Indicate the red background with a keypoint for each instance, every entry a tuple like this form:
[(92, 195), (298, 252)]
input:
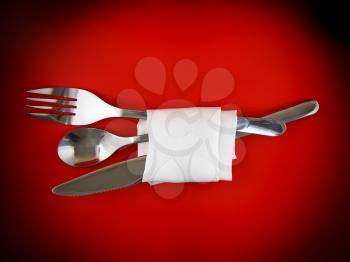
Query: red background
[(288, 199)]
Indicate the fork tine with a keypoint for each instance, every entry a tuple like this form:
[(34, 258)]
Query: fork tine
[(55, 101), (63, 119), (61, 109), (63, 92)]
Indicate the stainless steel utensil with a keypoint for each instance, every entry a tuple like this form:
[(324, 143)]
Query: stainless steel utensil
[(76, 106), (112, 177), (130, 172), (290, 114), (89, 146), (73, 106)]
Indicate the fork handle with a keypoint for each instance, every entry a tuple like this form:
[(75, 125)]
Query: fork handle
[(248, 125), (134, 114), (242, 122)]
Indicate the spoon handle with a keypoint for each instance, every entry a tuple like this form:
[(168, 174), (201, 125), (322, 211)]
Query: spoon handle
[(139, 139)]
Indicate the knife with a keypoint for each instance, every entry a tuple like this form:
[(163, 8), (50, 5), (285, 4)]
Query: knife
[(129, 172)]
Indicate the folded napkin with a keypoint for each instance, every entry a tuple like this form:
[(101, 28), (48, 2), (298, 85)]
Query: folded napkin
[(188, 145)]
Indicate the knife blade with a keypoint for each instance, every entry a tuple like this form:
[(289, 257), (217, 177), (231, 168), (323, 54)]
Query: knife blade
[(129, 172), (115, 176)]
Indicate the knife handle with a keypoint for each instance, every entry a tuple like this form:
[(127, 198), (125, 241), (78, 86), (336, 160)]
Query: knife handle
[(290, 114)]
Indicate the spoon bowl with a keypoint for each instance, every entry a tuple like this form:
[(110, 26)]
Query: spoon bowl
[(89, 146)]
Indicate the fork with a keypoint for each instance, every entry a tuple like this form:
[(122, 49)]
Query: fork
[(75, 106)]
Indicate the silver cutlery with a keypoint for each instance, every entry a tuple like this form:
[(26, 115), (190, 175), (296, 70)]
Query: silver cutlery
[(116, 176), (74, 106), (89, 146), (291, 113), (128, 173)]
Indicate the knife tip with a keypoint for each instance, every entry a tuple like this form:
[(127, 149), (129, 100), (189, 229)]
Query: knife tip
[(55, 190), (317, 106), (60, 191)]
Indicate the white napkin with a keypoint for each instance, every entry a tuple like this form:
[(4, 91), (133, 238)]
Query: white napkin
[(188, 145)]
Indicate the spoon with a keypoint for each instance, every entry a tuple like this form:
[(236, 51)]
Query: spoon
[(89, 146)]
